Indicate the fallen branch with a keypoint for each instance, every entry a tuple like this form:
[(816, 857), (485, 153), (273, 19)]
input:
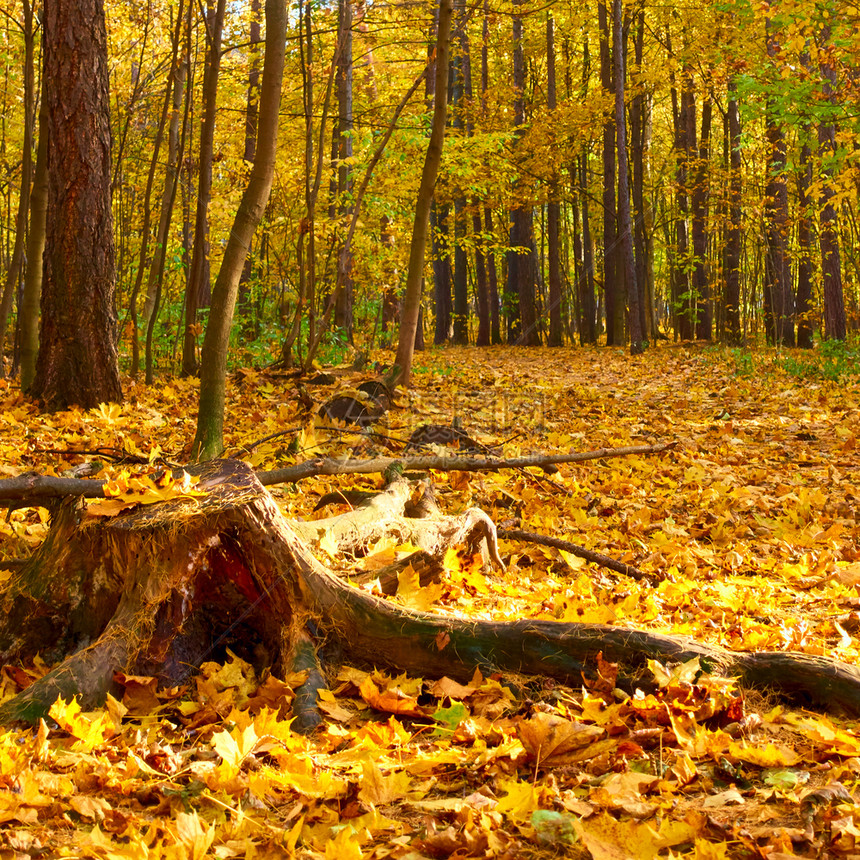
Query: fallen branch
[(311, 468), (33, 489), (581, 552)]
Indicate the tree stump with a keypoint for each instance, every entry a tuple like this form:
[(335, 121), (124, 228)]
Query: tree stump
[(159, 589)]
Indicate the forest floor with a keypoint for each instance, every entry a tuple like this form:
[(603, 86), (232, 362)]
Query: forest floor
[(753, 517)]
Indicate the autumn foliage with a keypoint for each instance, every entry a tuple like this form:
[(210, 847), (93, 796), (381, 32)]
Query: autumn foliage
[(750, 521)]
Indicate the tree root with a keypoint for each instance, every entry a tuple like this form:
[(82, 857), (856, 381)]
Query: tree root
[(180, 580)]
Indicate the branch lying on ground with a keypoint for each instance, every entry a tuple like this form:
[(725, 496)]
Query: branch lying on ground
[(32, 488), (311, 468), (582, 552)]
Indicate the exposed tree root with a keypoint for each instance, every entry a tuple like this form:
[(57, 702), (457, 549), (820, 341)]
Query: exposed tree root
[(159, 589)]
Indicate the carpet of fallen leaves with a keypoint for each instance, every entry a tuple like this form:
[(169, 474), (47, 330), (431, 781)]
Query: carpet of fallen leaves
[(753, 517)]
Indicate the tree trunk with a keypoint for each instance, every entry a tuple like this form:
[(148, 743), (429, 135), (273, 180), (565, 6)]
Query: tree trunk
[(147, 195), (245, 299), (343, 312), (414, 276), (175, 148), (732, 298), (197, 289), (835, 325), (699, 204), (685, 117), (587, 309), (208, 441), (459, 107), (611, 262), (35, 253), (778, 304), (522, 265), (16, 263), (625, 226), (77, 361), (492, 273), (806, 207), (639, 139), (158, 589), (553, 210)]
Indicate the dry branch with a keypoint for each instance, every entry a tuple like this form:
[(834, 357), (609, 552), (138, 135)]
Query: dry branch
[(581, 552), (381, 465), (34, 489)]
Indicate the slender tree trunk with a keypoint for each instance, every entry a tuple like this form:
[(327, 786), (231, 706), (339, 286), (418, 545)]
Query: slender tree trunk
[(522, 263), (699, 204), (16, 263), (685, 117), (343, 313), (197, 290), (208, 441), (778, 304), (638, 125), (588, 311), (147, 194), (492, 273), (35, 253), (611, 261), (553, 213), (458, 123), (442, 274), (77, 362), (732, 297), (493, 278), (172, 179), (625, 227), (835, 325), (414, 276), (245, 299), (806, 209)]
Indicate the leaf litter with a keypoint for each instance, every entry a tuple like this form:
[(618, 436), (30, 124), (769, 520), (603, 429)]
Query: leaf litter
[(752, 518)]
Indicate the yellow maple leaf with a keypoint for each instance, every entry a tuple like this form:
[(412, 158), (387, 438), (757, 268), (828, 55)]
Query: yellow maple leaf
[(379, 789), (411, 592), (89, 733)]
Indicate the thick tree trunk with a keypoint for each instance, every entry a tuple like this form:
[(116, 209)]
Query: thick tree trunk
[(158, 589), (77, 361)]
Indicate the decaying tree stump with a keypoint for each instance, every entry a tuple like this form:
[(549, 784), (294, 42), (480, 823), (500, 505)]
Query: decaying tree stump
[(156, 590)]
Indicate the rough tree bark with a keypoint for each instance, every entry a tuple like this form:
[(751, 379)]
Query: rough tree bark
[(77, 361), (158, 589)]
